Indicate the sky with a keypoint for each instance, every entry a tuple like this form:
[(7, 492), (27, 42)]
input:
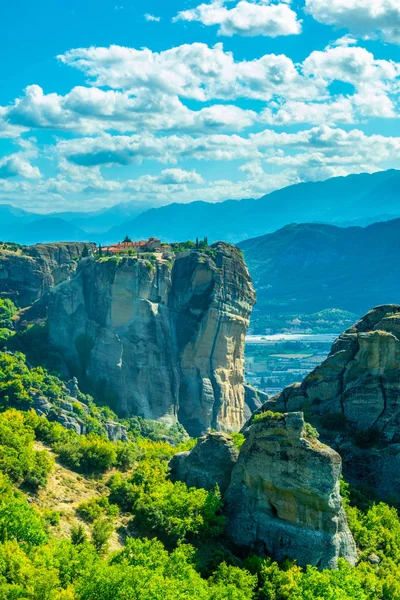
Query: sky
[(103, 102)]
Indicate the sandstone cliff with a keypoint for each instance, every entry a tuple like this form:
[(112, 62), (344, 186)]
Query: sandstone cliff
[(159, 341), (26, 275), (353, 398), (281, 491), (284, 497)]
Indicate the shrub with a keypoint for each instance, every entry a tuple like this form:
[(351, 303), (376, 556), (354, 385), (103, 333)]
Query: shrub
[(310, 432), (88, 454), (268, 414), (7, 311), (101, 533), (96, 508), (238, 439), (78, 534)]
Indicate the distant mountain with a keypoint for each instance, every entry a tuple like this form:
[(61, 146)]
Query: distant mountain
[(335, 200), (45, 230), (10, 214), (303, 269), (341, 200), (102, 220), (28, 228)]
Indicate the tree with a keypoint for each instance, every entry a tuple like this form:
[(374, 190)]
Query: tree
[(100, 250), (85, 252), (78, 535), (127, 240), (101, 533)]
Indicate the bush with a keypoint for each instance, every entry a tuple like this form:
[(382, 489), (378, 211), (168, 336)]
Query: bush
[(7, 311), (87, 454), (268, 414), (310, 432), (101, 533), (171, 510), (97, 507), (18, 458)]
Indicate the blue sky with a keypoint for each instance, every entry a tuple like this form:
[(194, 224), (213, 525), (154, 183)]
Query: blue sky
[(105, 102)]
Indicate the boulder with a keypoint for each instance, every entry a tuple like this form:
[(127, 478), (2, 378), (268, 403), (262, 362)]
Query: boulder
[(284, 497), (210, 462)]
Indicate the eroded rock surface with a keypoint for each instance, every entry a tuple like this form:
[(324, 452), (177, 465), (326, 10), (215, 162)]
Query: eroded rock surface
[(159, 341), (26, 276), (210, 462), (353, 398), (284, 497)]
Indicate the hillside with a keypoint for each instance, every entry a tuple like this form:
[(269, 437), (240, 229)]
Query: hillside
[(310, 267)]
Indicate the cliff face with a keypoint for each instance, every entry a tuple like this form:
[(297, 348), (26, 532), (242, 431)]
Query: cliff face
[(26, 276), (284, 497), (281, 491), (159, 341), (353, 398)]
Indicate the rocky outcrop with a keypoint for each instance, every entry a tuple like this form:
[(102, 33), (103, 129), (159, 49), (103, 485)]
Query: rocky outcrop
[(71, 413), (353, 398), (284, 497), (210, 462), (25, 275), (160, 341)]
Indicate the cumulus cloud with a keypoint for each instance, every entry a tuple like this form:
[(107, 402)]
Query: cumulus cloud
[(367, 18), (318, 146), (247, 18), (90, 110), (193, 71), (17, 165)]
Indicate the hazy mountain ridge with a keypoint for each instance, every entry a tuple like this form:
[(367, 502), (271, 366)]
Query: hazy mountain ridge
[(312, 267), (340, 200)]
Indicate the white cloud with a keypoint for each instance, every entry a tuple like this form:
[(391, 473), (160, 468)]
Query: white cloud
[(91, 110), (193, 71), (321, 146), (247, 18), (153, 18), (367, 18), (177, 176), (17, 165)]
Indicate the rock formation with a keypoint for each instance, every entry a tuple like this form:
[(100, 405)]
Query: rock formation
[(284, 497), (71, 413), (353, 398), (26, 275), (210, 462), (159, 341)]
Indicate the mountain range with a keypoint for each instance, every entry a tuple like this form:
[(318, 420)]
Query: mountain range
[(307, 268), (353, 200)]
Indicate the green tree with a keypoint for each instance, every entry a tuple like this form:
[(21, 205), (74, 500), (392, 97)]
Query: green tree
[(101, 533)]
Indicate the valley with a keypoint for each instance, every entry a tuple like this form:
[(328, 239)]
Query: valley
[(276, 361)]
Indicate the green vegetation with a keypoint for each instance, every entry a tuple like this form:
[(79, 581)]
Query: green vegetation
[(238, 439), (268, 415), (7, 311), (175, 549), (310, 432), (183, 524)]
